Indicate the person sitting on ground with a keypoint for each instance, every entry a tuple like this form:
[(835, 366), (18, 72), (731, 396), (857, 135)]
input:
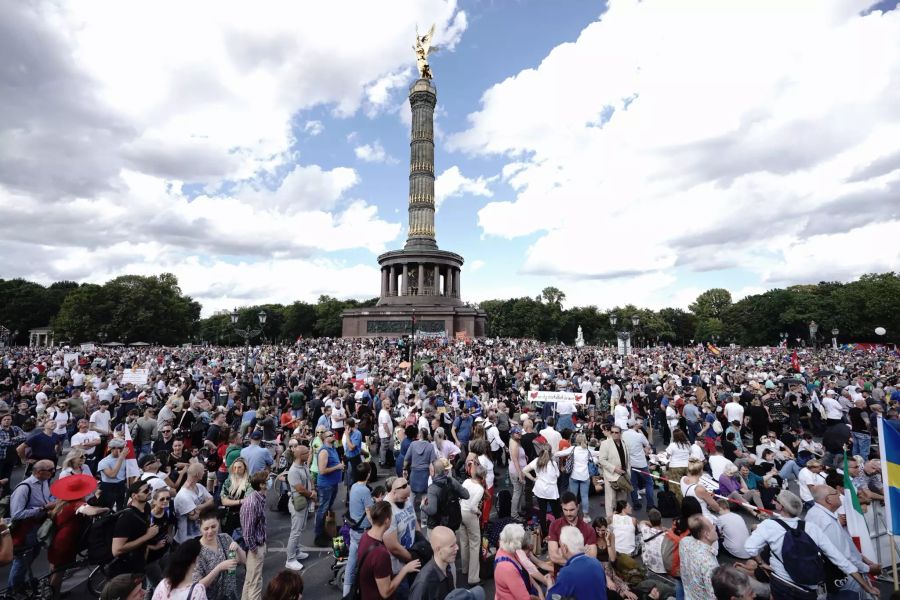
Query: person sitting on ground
[(732, 486)]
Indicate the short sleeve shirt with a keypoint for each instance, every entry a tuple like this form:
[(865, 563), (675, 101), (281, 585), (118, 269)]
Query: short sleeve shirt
[(403, 522), (185, 502), (130, 525), (590, 536), (375, 565)]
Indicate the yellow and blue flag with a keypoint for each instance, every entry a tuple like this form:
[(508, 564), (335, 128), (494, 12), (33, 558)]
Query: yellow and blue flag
[(889, 444)]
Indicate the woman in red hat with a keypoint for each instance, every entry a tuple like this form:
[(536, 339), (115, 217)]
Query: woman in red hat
[(70, 518)]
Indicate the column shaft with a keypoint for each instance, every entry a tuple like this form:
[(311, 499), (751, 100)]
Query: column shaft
[(458, 281), (449, 282), (392, 285), (421, 288), (437, 280), (404, 282)]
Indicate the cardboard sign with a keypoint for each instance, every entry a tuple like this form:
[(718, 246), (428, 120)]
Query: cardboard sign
[(555, 397), (87, 347), (461, 335), (135, 376)]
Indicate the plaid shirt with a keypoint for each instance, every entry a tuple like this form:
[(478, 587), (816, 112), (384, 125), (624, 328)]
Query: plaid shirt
[(10, 438), (253, 520)]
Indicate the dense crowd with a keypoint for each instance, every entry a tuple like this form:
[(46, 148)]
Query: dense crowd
[(165, 481)]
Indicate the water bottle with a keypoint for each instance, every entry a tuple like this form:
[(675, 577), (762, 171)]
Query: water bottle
[(231, 556)]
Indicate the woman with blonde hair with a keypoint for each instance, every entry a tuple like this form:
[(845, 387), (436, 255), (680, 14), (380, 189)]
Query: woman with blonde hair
[(235, 489), (580, 479), (74, 464), (690, 486), (444, 447), (679, 452)]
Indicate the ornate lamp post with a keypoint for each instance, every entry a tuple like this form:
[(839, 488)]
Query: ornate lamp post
[(834, 333), (624, 335), (247, 333), (813, 328), (784, 338), (102, 337)]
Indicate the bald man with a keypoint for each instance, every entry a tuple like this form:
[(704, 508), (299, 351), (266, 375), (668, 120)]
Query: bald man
[(29, 505), (436, 579)]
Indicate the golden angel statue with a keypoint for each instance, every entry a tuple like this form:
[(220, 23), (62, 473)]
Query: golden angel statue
[(423, 48)]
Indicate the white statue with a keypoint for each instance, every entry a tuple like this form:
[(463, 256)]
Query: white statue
[(423, 48), (579, 339)]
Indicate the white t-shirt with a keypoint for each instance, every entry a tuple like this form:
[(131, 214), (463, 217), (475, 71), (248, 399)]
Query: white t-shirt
[(832, 407), (475, 494), (485, 462), (671, 417), (186, 500), (62, 420), (338, 414), (807, 478), (101, 419), (734, 533), (385, 424), (79, 438), (717, 464), (678, 455), (77, 378), (621, 415), (545, 480), (734, 412), (154, 479)]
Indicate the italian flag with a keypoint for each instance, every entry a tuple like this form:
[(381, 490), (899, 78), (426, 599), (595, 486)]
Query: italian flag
[(856, 521)]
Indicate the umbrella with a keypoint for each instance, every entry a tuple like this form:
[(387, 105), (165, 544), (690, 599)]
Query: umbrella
[(139, 344), (113, 344), (792, 381)]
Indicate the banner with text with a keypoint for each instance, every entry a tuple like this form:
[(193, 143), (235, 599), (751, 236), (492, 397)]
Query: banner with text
[(556, 397)]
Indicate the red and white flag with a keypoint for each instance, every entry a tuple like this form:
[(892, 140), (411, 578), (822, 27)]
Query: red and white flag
[(856, 520), (131, 466), (795, 361)]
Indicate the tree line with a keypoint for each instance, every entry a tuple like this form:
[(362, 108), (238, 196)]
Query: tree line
[(153, 309)]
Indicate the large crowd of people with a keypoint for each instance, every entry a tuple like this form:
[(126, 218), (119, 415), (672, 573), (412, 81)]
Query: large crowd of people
[(444, 469)]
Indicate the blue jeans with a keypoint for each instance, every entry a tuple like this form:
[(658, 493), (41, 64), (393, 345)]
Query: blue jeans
[(789, 470), (327, 494), (350, 570), (22, 560), (861, 444), (146, 449), (580, 488), (639, 480)]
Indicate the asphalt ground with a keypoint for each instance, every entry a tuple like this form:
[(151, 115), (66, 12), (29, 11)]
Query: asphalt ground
[(318, 570)]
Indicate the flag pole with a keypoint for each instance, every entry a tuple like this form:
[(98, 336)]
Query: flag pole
[(882, 450), (894, 562)]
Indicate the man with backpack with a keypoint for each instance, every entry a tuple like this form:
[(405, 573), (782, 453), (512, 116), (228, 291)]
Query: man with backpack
[(796, 549), (443, 496)]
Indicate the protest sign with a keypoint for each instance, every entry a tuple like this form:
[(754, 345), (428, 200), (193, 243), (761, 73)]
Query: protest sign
[(135, 376)]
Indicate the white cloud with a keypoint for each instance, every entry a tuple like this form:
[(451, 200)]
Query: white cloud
[(475, 265), (373, 153), (104, 122), (453, 183), (314, 127), (672, 136)]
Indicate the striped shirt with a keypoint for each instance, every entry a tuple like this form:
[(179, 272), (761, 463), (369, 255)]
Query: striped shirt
[(10, 438), (253, 520)]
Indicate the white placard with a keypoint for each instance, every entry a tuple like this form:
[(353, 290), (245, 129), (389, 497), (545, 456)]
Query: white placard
[(87, 347), (135, 376), (555, 397), (70, 358), (362, 372)]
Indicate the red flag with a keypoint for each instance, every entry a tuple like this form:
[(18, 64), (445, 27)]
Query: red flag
[(795, 361)]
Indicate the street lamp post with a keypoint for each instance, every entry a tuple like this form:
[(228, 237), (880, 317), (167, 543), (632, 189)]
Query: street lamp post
[(624, 335), (813, 328), (247, 333), (834, 333), (784, 338), (102, 337)]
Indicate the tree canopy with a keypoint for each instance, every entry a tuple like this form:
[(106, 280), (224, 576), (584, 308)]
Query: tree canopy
[(153, 309)]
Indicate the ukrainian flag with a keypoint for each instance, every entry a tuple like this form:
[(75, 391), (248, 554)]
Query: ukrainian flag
[(889, 444)]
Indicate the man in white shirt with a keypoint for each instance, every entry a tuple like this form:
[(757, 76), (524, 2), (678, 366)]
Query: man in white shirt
[(621, 414), (734, 410), (385, 431), (809, 477), (77, 377), (824, 514), (553, 437), (100, 419), (771, 533), (192, 499), (717, 462), (733, 530), (833, 411), (638, 448), (86, 439)]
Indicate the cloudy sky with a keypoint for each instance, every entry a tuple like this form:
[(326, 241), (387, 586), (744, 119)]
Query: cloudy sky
[(622, 151)]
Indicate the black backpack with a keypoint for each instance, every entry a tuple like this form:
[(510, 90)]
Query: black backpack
[(98, 539), (667, 503), (449, 513), (800, 555)]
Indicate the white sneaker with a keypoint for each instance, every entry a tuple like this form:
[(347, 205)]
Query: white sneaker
[(293, 565), (302, 556)]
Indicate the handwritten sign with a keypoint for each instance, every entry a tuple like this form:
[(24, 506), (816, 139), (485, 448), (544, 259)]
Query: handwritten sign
[(135, 376), (555, 397)]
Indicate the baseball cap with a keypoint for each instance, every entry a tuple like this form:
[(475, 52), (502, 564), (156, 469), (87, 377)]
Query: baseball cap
[(148, 459), (256, 435), (116, 443)]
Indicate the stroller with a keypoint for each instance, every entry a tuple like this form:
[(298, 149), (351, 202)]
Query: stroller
[(340, 553)]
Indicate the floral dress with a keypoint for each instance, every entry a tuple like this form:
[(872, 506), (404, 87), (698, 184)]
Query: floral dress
[(225, 586)]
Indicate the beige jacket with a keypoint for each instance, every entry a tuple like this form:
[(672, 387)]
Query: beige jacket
[(609, 460)]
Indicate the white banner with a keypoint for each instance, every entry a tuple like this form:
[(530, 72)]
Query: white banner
[(431, 334), (70, 358), (135, 376), (362, 372), (556, 397), (87, 347)]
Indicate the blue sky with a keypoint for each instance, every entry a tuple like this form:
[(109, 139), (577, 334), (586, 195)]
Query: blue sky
[(625, 152)]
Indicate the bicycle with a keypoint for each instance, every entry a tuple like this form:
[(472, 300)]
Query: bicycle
[(39, 587)]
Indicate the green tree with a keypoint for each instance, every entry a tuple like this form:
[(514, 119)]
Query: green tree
[(711, 304), (552, 295)]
